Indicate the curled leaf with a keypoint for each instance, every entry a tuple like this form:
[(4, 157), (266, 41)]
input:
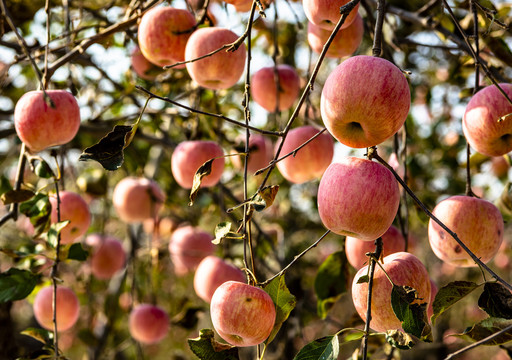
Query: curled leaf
[(265, 197), (16, 196), (203, 171), (205, 347), (221, 231)]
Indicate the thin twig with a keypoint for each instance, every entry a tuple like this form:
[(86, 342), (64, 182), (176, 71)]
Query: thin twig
[(377, 39)]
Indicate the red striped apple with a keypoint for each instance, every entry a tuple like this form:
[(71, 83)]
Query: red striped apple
[(148, 324), (73, 208), (263, 87), (68, 308), (326, 13), (188, 246), (142, 66)]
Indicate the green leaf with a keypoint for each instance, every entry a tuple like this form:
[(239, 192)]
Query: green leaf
[(412, 315), (363, 279), (285, 302), (203, 171), (16, 284), (489, 327), (399, 339), (221, 231), (331, 281), (42, 335), (5, 184), (54, 231), (450, 294), (41, 168), (77, 252), (16, 196), (205, 347), (326, 348), (39, 210), (496, 300)]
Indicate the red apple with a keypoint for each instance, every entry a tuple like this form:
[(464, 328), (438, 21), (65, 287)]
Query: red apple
[(220, 71), (404, 269), (357, 114), (142, 66), (73, 208), (108, 257), (358, 197), (188, 246), (148, 324), (242, 314), (190, 155), (68, 308), (41, 126), (263, 87), (499, 166), (212, 272), (309, 162), (326, 13), (433, 293), (481, 123), (260, 154), (477, 223)]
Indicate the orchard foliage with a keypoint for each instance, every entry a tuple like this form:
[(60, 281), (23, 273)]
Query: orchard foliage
[(247, 196)]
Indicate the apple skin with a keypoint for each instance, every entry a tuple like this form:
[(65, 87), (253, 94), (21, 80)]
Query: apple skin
[(148, 324), (345, 43), (190, 155), (261, 153), (142, 66), (433, 292), (188, 246), (242, 314), (263, 87), (158, 36), (404, 269), (73, 208), (137, 199), (68, 308), (219, 71), (358, 197), (477, 222), (480, 123), (326, 13), (392, 242), (108, 257), (40, 126), (212, 272), (359, 115), (309, 162)]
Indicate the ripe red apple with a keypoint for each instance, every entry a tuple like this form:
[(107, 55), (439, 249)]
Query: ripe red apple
[(309, 162), (242, 314), (142, 66), (108, 256), (137, 199), (477, 222), (260, 154), (499, 166), (188, 246), (481, 122), (263, 87), (212, 272), (148, 324), (73, 208), (326, 13), (68, 308), (392, 242), (190, 155), (163, 34), (41, 126), (220, 71), (404, 269), (359, 115), (358, 197), (345, 43)]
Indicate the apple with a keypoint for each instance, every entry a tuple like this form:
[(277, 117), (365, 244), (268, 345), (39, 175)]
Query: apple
[(356, 249), (358, 197), (142, 66), (310, 161), (212, 272), (190, 155), (148, 324), (40, 126), (68, 308), (137, 199), (499, 166), (165, 226), (264, 89), (73, 208), (477, 223), (219, 71), (345, 43), (242, 314), (260, 153), (188, 246), (357, 114), (481, 123), (403, 268), (326, 13), (163, 34), (433, 292), (108, 256)]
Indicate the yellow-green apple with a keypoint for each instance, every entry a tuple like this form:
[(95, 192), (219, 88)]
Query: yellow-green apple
[(404, 269), (73, 208), (361, 115), (264, 87), (108, 256), (188, 246), (148, 324), (219, 71), (345, 43), (242, 314), (212, 272), (310, 161), (137, 199), (358, 197), (68, 308), (326, 13), (142, 66), (190, 155), (163, 34), (356, 249), (487, 121), (260, 153), (39, 125), (477, 223)]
